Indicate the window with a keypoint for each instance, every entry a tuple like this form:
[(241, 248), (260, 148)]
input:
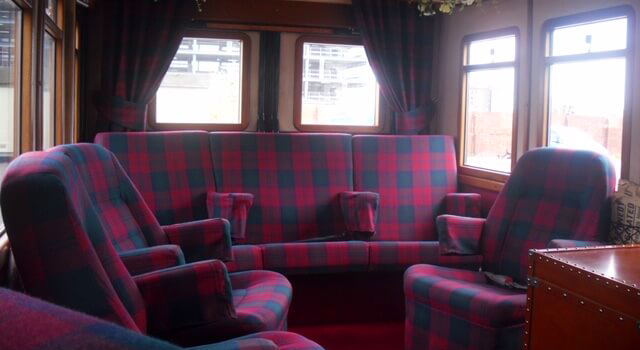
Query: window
[(10, 50), (207, 84), (48, 91), (489, 101), (587, 63), (335, 86)]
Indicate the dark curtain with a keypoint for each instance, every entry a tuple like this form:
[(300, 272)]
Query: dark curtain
[(269, 82), (399, 45), (140, 39)]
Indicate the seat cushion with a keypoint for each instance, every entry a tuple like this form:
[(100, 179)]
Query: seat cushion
[(266, 341), (316, 257), (412, 174), (262, 301), (400, 255), (295, 178), (245, 258), (464, 294)]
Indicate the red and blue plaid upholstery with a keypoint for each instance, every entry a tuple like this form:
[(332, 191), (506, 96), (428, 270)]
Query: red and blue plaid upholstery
[(201, 240), (552, 194), (143, 260), (459, 235), (398, 256), (186, 296), (233, 207), (245, 257), (316, 257), (412, 174), (34, 324), (457, 309), (261, 300), (64, 254), (61, 248), (295, 178), (172, 170), (360, 210), (571, 243), (463, 204)]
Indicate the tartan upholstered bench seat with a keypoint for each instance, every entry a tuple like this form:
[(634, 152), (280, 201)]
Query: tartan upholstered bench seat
[(28, 323), (322, 203), (67, 209), (554, 197)]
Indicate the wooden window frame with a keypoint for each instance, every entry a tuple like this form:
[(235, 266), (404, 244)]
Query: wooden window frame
[(628, 54), (486, 178), (245, 78), (297, 89)]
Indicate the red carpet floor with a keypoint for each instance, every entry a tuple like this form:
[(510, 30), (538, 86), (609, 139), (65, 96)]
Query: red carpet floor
[(369, 336)]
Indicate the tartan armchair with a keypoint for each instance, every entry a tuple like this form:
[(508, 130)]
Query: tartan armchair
[(61, 227), (553, 197)]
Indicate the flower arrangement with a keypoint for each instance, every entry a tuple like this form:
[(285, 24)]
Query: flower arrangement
[(431, 7)]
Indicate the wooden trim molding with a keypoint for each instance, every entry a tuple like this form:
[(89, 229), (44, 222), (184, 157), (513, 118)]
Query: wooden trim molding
[(482, 183), (297, 89), (246, 88)]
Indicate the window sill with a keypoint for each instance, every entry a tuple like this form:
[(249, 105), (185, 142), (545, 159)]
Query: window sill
[(485, 179)]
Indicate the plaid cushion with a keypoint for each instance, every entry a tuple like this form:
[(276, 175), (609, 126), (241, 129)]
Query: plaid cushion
[(463, 204), (35, 324), (412, 174), (360, 210), (29, 324), (139, 261), (282, 340), (459, 234), (400, 255), (204, 295), (172, 170), (568, 243), (316, 257), (127, 218), (261, 300), (552, 194), (295, 178), (456, 309), (201, 240), (233, 207), (60, 243), (245, 257)]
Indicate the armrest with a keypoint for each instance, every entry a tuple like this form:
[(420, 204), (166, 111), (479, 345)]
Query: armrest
[(360, 210), (233, 207), (186, 296), (202, 240), (463, 204), (570, 243), (139, 261), (459, 235)]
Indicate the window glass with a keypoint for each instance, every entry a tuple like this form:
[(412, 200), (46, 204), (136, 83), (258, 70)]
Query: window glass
[(203, 84), (489, 105), (586, 106), (10, 17), (51, 8), (338, 86), (599, 36), (494, 50), (488, 140), (587, 93), (48, 91)]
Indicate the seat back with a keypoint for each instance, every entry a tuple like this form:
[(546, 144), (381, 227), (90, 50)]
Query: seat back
[(552, 194), (128, 221), (172, 170), (61, 247), (296, 180), (413, 174)]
